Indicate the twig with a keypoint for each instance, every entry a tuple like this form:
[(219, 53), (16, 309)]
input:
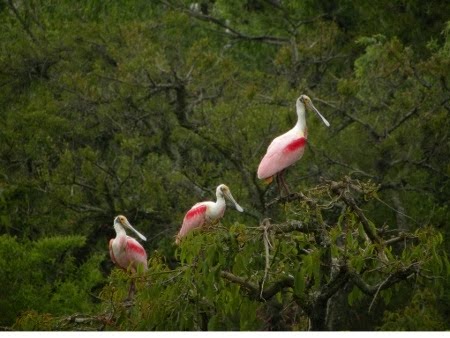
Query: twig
[(400, 238), (266, 224), (376, 293)]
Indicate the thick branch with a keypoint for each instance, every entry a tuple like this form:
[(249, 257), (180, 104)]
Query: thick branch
[(336, 283), (293, 225), (254, 290)]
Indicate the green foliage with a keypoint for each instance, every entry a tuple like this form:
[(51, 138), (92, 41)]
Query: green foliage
[(420, 314), (43, 276), (143, 108)]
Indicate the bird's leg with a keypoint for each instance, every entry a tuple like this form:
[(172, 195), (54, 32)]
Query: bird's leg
[(131, 291), (283, 182), (278, 179)]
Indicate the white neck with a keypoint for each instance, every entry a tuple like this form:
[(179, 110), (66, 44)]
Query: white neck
[(220, 199), (120, 231), (301, 120)]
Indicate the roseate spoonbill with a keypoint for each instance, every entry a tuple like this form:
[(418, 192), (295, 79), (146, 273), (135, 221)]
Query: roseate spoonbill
[(125, 251), (207, 212), (288, 148)]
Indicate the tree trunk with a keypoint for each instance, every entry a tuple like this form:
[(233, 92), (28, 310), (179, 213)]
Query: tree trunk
[(318, 318)]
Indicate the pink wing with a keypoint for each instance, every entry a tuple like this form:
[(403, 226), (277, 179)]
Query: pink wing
[(135, 253), (194, 218), (284, 151)]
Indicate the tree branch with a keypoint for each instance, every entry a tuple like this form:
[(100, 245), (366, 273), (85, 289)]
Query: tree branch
[(371, 129), (254, 290), (401, 237), (392, 279), (333, 286), (292, 225), (342, 189), (402, 120), (337, 188), (22, 22), (230, 30)]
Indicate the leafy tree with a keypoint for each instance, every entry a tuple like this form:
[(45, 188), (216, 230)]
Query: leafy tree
[(144, 108)]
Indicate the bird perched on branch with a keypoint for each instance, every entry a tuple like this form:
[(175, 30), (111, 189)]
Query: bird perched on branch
[(125, 251), (204, 213), (288, 148)]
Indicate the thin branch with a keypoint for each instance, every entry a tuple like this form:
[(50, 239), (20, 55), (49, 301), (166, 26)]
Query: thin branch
[(371, 129), (340, 189), (21, 21), (292, 197), (400, 238), (397, 211), (266, 225), (230, 30), (349, 200), (402, 120), (355, 170)]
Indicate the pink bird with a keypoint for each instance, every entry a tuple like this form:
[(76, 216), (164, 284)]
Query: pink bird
[(288, 148), (125, 251), (206, 212)]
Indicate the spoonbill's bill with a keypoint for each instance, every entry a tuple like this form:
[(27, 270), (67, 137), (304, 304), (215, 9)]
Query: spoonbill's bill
[(125, 251), (208, 212), (288, 148)]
